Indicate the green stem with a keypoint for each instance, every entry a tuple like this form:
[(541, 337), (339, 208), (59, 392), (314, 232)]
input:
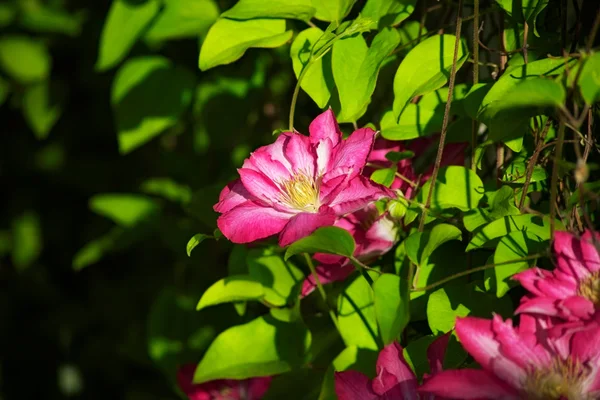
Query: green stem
[(475, 124), (321, 290), (554, 182), (473, 270), (363, 269), (295, 95)]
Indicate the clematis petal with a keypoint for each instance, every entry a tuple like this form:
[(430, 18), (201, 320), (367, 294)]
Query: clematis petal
[(353, 152), (394, 373), (436, 353), (260, 186), (250, 221), (261, 161), (359, 192), (545, 283), (304, 224), (468, 384), (478, 338), (231, 196), (576, 307), (539, 305), (515, 348), (590, 255), (327, 273), (274, 151), (569, 255), (325, 126), (301, 154), (323, 150), (352, 385)]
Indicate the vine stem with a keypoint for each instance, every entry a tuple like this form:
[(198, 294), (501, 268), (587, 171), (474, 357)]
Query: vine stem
[(313, 271), (295, 95), (554, 182), (362, 268), (474, 123), (532, 162), (473, 270), (440, 152)]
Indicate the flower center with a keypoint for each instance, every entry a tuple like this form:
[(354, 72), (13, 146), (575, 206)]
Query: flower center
[(302, 193), (590, 288), (563, 380)]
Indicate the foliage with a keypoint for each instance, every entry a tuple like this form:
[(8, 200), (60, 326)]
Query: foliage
[(124, 121)]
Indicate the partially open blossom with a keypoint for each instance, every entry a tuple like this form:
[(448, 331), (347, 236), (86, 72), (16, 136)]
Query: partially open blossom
[(223, 389), (298, 184), (572, 290), (374, 235), (395, 380), (522, 363), (453, 155)]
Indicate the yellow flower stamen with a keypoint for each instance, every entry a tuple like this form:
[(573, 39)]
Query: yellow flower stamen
[(301, 192), (563, 380), (590, 288)]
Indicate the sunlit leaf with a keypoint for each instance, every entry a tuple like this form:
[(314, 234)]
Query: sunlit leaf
[(42, 108), (455, 187), (328, 239), (183, 18), (231, 289), (195, 241), (124, 209), (332, 10), (356, 315), (420, 245), (291, 9), (388, 12), (391, 306), (25, 59)]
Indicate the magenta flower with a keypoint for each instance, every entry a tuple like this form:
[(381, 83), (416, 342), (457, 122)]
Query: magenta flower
[(298, 184), (223, 389), (522, 363), (374, 235), (395, 380), (572, 290), (453, 155)]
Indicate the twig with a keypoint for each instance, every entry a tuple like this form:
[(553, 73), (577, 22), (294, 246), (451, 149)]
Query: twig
[(554, 182), (313, 271), (533, 162), (474, 123), (440, 152), (473, 270), (525, 37)]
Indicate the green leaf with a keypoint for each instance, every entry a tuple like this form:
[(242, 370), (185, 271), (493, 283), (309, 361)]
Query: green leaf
[(332, 10), (24, 59), (327, 239), (409, 34), (125, 210), (511, 247), (425, 69), (26, 240), (262, 347), (357, 320), (384, 176), (535, 224), (355, 70), (416, 121), (534, 93), (287, 9), (318, 79), (502, 203), (183, 18), (168, 189), (420, 245), (227, 40), (8, 12), (474, 97), (231, 289), (195, 241), (516, 172), (395, 156), (456, 187), (589, 80), (514, 124), (281, 279), (453, 301), (388, 12), (391, 306), (149, 94), (40, 17), (125, 23), (41, 108), (531, 9)]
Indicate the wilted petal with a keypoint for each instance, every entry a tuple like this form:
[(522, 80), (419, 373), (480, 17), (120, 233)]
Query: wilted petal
[(359, 192), (231, 196), (325, 126), (250, 221), (353, 152), (352, 385), (327, 273), (393, 373), (304, 224), (436, 353), (468, 384)]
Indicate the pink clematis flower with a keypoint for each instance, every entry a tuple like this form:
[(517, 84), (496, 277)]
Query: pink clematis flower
[(453, 155), (223, 389), (522, 363), (298, 184), (572, 290), (395, 380), (374, 235)]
